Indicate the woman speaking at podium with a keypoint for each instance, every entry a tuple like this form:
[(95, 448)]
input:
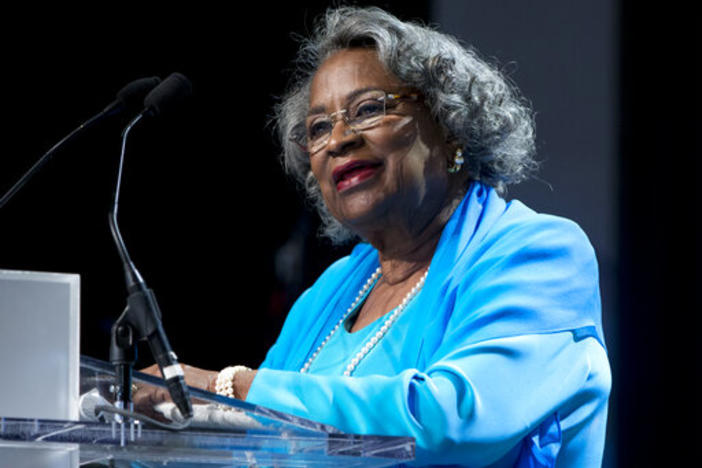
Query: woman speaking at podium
[(467, 322)]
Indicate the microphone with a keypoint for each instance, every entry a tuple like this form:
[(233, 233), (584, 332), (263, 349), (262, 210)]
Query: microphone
[(141, 319), (128, 97), (168, 95)]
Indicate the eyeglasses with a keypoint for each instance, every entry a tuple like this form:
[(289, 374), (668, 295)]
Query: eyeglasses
[(365, 111)]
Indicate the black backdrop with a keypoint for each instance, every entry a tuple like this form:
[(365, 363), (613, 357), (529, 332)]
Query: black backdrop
[(206, 208)]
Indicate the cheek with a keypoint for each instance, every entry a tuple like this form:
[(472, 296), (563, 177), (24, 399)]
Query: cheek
[(321, 181), (328, 191), (396, 141), (399, 134), (408, 154)]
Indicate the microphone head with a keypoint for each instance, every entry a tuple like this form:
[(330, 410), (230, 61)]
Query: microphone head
[(133, 94), (168, 95)]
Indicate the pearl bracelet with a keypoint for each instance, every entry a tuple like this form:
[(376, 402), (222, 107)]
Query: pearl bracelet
[(225, 380)]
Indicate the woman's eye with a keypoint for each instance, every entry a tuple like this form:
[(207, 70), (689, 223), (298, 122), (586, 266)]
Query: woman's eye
[(318, 128), (369, 108)]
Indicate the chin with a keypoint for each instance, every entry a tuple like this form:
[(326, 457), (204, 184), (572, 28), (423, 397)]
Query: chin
[(361, 208)]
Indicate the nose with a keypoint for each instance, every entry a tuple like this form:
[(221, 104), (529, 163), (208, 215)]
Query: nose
[(342, 139)]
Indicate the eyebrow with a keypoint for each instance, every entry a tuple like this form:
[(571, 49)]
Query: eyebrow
[(349, 97)]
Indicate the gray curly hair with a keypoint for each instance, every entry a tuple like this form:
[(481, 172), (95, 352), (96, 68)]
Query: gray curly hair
[(477, 106)]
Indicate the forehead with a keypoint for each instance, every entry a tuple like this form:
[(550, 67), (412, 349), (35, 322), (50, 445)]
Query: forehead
[(345, 72)]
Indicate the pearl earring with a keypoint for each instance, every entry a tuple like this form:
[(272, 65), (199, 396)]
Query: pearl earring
[(457, 162)]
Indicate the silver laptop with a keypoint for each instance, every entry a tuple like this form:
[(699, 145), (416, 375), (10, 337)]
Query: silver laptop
[(39, 345)]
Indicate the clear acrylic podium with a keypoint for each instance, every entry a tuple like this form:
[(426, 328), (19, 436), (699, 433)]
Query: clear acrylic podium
[(224, 433)]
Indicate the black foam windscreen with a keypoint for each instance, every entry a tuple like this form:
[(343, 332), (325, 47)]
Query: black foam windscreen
[(168, 95), (134, 93)]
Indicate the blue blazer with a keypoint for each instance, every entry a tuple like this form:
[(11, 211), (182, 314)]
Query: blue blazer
[(500, 359)]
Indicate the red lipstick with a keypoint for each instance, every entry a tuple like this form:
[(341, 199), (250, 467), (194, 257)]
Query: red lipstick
[(353, 173)]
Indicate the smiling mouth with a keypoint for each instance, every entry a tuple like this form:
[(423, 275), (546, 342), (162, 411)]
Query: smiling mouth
[(353, 173)]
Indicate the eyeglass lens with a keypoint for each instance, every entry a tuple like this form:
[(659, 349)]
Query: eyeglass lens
[(363, 112)]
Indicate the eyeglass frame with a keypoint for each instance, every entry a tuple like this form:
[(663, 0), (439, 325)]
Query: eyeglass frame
[(302, 133)]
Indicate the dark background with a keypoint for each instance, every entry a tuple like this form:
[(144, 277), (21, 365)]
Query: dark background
[(211, 221)]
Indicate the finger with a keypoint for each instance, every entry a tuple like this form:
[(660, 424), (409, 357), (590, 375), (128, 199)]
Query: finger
[(147, 397), (152, 370), (150, 395)]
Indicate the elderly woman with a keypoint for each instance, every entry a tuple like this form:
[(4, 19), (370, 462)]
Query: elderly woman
[(467, 322)]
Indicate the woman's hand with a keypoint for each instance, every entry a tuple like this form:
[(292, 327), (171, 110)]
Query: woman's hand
[(147, 396)]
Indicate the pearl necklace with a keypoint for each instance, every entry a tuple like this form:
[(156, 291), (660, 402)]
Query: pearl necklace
[(370, 344)]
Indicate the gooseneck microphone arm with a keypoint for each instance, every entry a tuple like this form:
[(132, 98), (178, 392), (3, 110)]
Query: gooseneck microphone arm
[(131, 274), (141, 320), (46, 157)]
